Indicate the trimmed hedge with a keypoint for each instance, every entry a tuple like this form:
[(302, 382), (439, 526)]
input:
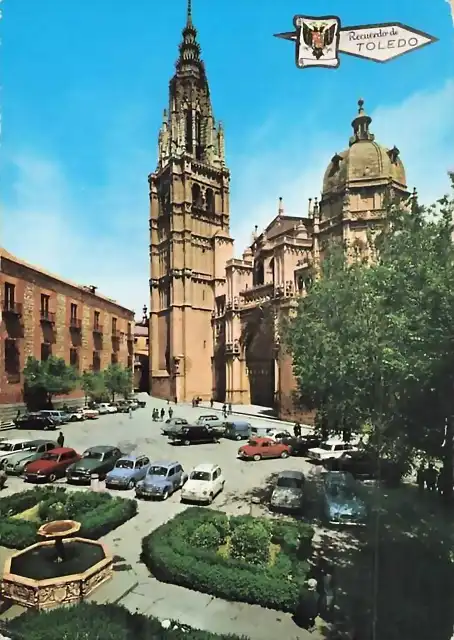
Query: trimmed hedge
[(98, 513), (169, 556), (89, 621)]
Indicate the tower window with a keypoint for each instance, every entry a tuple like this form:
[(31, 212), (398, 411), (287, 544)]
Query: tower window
[(198, 137), (189, 139), (196, 196), (209, 200)]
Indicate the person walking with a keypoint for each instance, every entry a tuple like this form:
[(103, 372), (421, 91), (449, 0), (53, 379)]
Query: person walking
[(130, 413), (163, 413), (61, 439), (297, 430), (230, 408), (170, 412), (211, 403), (307, 607), (3, 477)]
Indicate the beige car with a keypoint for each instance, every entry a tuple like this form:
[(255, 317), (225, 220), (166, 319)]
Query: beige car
[(11, 447), (204, 484)]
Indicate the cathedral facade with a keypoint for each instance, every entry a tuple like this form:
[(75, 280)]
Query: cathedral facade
[(214, 318)]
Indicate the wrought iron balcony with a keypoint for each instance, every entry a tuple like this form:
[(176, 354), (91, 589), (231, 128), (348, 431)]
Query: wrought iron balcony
[(12, 308), (98, 328), (115, 334), (75, 324), (47, 316)]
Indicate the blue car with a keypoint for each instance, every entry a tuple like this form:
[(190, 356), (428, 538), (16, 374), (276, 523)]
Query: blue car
[(341, 500), (162, 479), (127, 472)]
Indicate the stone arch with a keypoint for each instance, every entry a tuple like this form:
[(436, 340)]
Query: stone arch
[(196, 195), (209, 200)]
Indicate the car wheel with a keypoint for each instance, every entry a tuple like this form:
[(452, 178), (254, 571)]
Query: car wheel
[(165, 495), (187, 443), (238, 437), (257, 457), (52, 477), (74, 419), (131, 484), (284, 455)]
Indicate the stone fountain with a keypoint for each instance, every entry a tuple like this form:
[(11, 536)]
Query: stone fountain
[(59, 570)]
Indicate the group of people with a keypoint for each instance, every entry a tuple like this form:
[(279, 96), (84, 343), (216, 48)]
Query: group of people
[(317, 596), (158, 416), (431, 479)]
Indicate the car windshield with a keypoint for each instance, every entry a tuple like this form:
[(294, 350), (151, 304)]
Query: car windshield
[(205, 476), (289, 483), (95, 455), (34, 448), (157, 471), (125, 464), (6, 446), (326, 446), (50, 456)]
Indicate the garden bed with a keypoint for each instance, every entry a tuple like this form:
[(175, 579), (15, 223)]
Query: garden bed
[(237, 558), (21, 514), (92, 622)]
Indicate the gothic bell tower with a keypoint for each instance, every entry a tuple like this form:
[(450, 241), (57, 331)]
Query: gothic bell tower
[(189, 231)]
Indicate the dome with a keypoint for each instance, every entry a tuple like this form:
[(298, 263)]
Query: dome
[(365, 160)]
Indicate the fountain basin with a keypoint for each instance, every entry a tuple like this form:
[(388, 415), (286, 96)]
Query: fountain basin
[(34, 578)]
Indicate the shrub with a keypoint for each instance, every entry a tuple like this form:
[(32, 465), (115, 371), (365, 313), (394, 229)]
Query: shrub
[(98, 513), (206, 536), (251, 542), (89, 621), (170, 558)]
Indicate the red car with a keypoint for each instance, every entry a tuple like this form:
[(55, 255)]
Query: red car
[(51, 466), (259, 448)]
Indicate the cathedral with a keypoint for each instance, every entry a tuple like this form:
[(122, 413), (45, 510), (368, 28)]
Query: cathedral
[(214, 318)]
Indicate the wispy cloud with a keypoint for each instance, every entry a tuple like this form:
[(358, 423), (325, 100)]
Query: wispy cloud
[(422, 127)]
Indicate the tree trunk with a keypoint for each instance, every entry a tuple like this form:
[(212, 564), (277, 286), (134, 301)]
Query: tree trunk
[(448, 467)]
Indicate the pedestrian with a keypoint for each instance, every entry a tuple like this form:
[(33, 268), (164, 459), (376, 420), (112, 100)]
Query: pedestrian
[(230, 408), (61, 439), (3, 477), (18, 414), (307, 607), (224, 410), (176, 400), (170, 412), (297, 430), (431, 477), (211, 403), (130, 413), (163, 413), (421, 476)]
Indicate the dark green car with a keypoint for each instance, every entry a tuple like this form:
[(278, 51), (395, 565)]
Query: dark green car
[(95, 461)]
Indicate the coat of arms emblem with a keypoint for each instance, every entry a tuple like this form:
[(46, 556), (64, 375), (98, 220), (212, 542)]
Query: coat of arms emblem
[(317, 40)]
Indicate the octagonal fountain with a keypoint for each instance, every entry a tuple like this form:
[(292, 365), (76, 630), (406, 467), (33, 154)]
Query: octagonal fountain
[(58, 570)]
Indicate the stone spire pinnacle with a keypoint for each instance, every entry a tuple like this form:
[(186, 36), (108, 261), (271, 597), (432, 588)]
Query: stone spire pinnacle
[(189, 13), (189, 47), (361, 125)]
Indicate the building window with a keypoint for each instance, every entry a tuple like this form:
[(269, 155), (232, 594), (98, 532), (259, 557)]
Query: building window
[(114, 358), (96, 319), (135, 340), (114, 326), (46, 351), (129, 330), (73, 311), (209, 200), (9, 296), (189, 139), (12, 360), (74, 358), (96, 366), (147, 342), (44, 306)]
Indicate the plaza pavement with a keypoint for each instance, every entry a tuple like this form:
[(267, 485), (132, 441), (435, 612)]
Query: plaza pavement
[(132, 586)]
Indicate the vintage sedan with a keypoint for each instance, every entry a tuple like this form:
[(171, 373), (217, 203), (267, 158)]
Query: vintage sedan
[(16, 464), (205, 483), (75, 415), (342, 503), (162, 479), (127, 472), (51, 465), (94, 461), (35, 421), (173, 424), (106, 407), (90, 414), (10, 447), (261, 448), (288, 494)]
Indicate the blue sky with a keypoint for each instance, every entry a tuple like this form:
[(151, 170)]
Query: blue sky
[(85, 83)]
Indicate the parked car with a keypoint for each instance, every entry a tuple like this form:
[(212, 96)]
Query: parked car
[(16, 464), (173, 424), (278, 435), (89, 413), (127, 472), (107, 407), (196, 434), (342, 503), (140, 403), (300, 446), (332, 448), (204, 484), (259, 448), (59, 417), (362, 464), (10, 447), (34, 421), (122, 406), (237, 430), (51, 465), (76, 415), (211, 420), (288, 494), (162, 479), (95, 460)]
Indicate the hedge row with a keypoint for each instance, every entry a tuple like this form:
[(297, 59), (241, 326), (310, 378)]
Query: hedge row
[(173, 554), (89, 621), (98, 513)]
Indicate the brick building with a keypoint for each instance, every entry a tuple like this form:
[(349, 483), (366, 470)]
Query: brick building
[(44, 315)]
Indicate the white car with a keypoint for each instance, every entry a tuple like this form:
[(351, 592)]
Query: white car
[(76, 415), (106, 407), (90, 414), (278, 434), (10, 447), (331, 449), (205, 483)]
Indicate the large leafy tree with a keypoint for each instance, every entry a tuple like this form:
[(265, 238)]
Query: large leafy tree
[(117, 380), (92, 384), (373, 343), (48, 378)]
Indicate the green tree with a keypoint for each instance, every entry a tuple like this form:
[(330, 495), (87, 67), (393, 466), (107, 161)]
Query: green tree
[(92, 384), (48, 378), (117, 380)]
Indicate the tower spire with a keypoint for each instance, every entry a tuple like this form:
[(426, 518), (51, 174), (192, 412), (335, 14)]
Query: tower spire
[(189, 47), (189, 13), (361, 125)]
